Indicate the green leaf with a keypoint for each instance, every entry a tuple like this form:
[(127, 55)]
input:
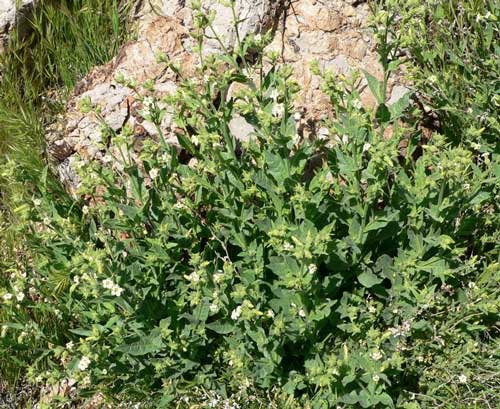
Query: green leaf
[(383, 114), (397, 109), (386, 400), (82, 332), (144, 346), (277, 167), (201, 312), (378, 223), (368, 279), (284, 267), (375, 87), (221, 327)]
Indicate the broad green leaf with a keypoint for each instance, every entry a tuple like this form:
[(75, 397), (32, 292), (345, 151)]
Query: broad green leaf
[(144, 346), (221, 327), (82, 332), (383, 114), (368, 279)]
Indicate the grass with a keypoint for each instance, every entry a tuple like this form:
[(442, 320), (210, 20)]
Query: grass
[(38, 72), (66, 39)]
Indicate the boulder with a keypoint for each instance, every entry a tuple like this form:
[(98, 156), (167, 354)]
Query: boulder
[(12, 14), (335, 33)]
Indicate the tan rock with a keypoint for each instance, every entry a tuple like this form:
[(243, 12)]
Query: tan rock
[(332, 32)]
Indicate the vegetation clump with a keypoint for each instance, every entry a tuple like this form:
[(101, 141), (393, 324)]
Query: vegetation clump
[(344, 270)]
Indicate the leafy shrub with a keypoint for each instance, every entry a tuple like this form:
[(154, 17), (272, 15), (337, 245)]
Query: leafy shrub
[(454, 47), (344, 270)]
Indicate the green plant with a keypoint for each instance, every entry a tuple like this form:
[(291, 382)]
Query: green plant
[(343, 270), (453, 47), (66, 39)]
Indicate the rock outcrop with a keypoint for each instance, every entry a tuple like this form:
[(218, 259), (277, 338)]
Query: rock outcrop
[(333, 32), (12, 13)]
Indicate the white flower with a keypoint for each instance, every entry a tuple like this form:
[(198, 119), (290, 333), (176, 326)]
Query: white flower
[(194, 277), (148, 101), (466, 186), (195, 140), (46, 221), (376, 355), (85, 209), (20, 296), (218, 277), (70, 345), (297, 116), (288, 247), (37, 202), (366, 147), (471, 285), (312, 268), (462, 379), (396, 332), (153, 173), (258, 38), (84, 363), (302, 313), (7, 296), (213, 403), (76, 279), (274, 95), (323, 134), (109, 284), (236, 313), (375, 378), (406, 326), (270, 313), (356, 103), (116, 290), (278, 110), (345, 139), (214, 308), (372, 309), (179, 205), (107, 158)]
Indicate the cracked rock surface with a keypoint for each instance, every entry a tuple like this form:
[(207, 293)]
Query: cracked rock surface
[(333, 32)]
